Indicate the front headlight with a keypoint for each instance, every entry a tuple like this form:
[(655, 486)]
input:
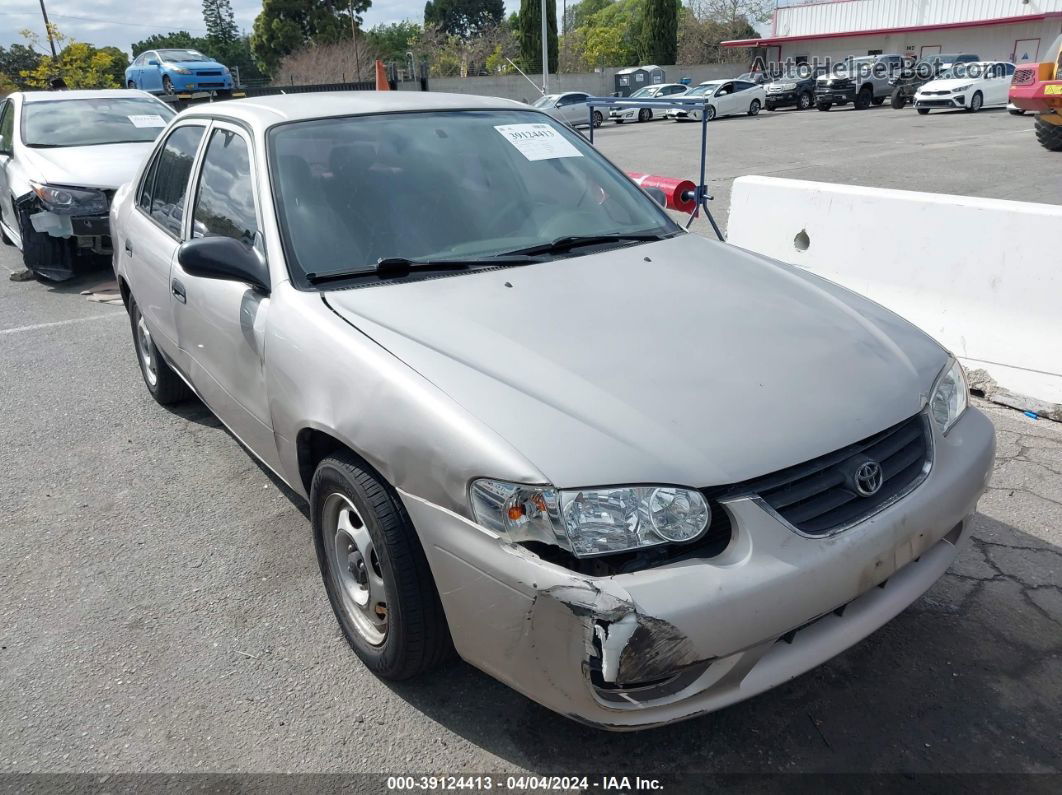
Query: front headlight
[(179, 69), (950, 397), (590, 522), (960, 89), (70, 201), (787, 87)]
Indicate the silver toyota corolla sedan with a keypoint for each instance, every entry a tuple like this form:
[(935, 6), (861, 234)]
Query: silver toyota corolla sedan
[(635, 474)]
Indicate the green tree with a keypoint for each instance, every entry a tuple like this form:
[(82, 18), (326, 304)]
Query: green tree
[(660, 31), (15, 60), (613, 35), (392, 42), (284, 26), (220, 21), (119, 63), (176, 40), (529, 34), (80, 65), (464, 18)]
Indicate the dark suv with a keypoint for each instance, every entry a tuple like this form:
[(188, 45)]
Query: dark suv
[(907, 84), (792, 91)]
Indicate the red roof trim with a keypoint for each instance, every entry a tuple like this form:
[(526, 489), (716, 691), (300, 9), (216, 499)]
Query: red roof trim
[(980, 23)]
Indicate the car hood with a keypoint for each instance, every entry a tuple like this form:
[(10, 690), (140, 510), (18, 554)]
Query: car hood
[(106, 166), (946, 85), (684, 361), (196, 64)]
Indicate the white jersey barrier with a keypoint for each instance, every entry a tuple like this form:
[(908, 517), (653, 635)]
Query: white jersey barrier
[(982, 276)]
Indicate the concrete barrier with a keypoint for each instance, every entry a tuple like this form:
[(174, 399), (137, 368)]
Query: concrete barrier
[(982, 276)]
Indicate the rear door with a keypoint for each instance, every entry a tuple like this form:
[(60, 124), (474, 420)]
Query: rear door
[(153, 233), (221, 323)]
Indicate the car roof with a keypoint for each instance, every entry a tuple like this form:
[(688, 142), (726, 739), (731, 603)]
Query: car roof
[(103, 93), (263, 112)]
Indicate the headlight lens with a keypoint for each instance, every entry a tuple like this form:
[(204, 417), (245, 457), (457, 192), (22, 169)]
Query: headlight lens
[(960, 89), (787, 86), (179, 69), (70, 201), (950, 397), (590, 522)]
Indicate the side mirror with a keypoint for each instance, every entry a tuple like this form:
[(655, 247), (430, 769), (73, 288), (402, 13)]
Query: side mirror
[(657, 195), (223, 258), (152, 62)]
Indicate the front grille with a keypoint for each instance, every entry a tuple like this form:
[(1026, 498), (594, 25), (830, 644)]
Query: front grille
[(1024, 76), (208, 73), (936, 93), (935, 103), (816, 497)]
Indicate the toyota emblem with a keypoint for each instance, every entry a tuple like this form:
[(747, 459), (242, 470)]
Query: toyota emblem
[(868, 478)]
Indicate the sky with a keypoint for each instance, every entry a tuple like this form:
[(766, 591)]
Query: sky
[(121, 22)]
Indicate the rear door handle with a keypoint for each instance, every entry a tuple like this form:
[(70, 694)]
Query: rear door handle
[(128, 247), (178, 291)]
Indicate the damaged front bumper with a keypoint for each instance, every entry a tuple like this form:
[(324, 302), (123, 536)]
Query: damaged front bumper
[(53, 243), (646, 648)]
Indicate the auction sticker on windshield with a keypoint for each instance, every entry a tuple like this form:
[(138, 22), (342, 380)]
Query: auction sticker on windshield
[(537, 141), (147, 120)]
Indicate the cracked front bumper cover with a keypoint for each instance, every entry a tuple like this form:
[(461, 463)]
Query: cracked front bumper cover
[(646, 648)]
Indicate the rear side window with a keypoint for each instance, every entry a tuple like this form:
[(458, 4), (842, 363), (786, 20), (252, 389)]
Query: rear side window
[(224, 203), (170, 178)]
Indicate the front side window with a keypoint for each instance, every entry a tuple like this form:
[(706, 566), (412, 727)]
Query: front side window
[(7, 124), (443, 185), (224, 202), (93, 122), (171, 177)]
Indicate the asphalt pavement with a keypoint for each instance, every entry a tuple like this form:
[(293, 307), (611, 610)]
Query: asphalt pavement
[(161, 608)]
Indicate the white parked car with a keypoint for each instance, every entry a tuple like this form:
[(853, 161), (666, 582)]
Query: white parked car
[(62, 156), (967, 86), (569, 108), (621, 114), (724, 98)]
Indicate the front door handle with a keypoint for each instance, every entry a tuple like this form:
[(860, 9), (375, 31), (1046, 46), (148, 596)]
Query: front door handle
[(128, 247), (178, 291)]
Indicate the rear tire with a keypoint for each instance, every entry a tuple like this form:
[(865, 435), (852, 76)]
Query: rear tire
[(618, 121), (805, 101), (161, 381), (976, 102), (1015, 111), (823, 106), (863, 99), (1049, 135), (598, 119), (923, 111), (899, 101), (375, 573)]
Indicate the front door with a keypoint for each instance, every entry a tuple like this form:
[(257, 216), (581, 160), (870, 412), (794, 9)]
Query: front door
[(221, 323), (151, 73), (7, 132), (154, 233)]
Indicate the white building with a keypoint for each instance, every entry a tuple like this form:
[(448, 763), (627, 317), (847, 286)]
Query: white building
[(1017, 30)]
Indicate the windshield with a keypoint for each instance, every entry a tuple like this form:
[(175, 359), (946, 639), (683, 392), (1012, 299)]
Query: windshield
[(697, 91), (547, 101), (648, 91), (443, 185), (90, 122), (177, 56)]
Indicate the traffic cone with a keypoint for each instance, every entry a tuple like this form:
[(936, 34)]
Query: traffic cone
[(381, 77)]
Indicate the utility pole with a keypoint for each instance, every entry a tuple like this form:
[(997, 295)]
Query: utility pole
[(48, 28), (354, 36), (545, 48)]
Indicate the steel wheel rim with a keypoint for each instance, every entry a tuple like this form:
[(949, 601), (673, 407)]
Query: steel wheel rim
[(354, 568), (755, 107), (977, 102), (167, 84), (805, 102), (146, 350)]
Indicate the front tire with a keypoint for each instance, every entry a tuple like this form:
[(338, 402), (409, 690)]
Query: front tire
[(899, 101), (130, 84), (162, 382), (1049, 135), (805, 101), (863, 99), (754, 107), (878, 101), (823, 106), (711, 111), (375, 572), (923, 111), (167, 85), (645, 114), (976, 102), (1015, 111)]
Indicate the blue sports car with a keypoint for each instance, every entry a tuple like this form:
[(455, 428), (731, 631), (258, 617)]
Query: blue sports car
[(177, 71)]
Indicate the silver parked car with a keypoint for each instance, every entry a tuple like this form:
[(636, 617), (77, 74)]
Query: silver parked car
[(635, 474), (62, 156), (570, 108)]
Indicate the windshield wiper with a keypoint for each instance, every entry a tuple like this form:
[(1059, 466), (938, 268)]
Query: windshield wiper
[(396, 267), (562, 244)]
